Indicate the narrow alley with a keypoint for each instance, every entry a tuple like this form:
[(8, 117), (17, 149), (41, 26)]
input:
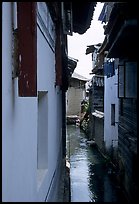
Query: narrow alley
[(69, 116), (92, 177)]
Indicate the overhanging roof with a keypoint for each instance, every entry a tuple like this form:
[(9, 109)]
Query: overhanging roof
[(82, 15), (92, 48), (125, 41), (72, 63), (121, 32), (78, 76)]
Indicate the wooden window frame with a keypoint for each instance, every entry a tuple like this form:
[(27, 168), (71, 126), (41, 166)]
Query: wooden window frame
[(27, 56), (119, 82), (126, 93), (130, 91)]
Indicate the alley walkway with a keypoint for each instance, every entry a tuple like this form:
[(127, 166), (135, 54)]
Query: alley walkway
[(91, 179)]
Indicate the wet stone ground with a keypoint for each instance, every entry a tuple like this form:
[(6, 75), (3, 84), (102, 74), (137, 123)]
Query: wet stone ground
[(90, 177)]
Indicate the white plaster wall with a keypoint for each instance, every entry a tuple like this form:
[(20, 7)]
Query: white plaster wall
[(19, 127), (46, 82), (110, 97), (19, 122), (74, 98)]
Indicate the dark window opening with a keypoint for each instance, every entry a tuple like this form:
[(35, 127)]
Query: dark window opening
[(113, 114)]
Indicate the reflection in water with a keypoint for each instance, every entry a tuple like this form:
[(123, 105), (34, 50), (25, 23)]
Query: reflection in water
[(89, 177)]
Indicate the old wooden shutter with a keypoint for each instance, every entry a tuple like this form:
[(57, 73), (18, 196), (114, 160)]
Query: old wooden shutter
[(27, 36)]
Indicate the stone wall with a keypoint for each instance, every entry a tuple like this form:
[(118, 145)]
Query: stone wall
[(98, 123)]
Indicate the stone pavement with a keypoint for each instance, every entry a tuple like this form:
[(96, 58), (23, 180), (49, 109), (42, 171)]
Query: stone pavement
[(64, 187)]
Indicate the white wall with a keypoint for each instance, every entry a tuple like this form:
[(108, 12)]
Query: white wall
[(110, 97), (74, 98), (46, 81), (19, 127), (19, 122)]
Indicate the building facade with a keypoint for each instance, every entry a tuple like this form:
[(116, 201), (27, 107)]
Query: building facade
[(35, 79), (120, 43), (111, 109), (76, 94), (31, 106), (96, 99)]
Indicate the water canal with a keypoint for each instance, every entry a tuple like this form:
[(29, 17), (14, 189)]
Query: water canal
[(90, 178)]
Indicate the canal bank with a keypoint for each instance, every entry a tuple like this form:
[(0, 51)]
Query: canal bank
[(91, 176)]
